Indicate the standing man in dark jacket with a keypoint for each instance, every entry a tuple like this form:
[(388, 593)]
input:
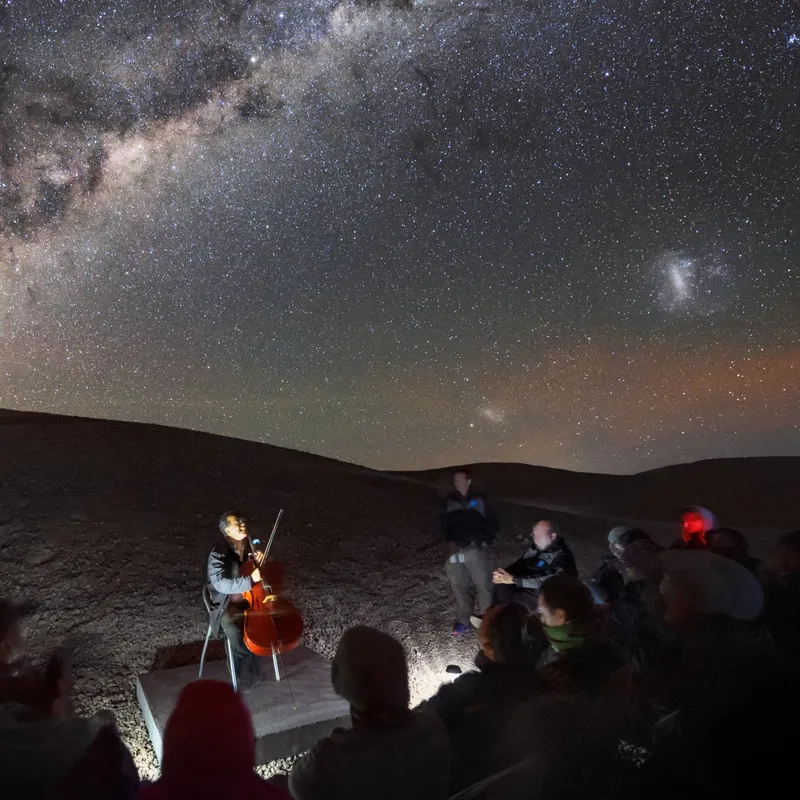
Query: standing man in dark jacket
[(521, 581), (468, 525)]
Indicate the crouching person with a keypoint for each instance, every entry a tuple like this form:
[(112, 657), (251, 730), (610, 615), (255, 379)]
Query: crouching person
[(391, 751)]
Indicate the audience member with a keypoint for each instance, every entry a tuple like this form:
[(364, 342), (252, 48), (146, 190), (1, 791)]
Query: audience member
[(710, 603), (474, 706), (782, 612), (728, 691), (580, 659), (731, 543), (45, 751), (608, 582), (696, 522), (520, 582), (468, 525), (391, 751), (562, 747), (209, 749), (636, 617)]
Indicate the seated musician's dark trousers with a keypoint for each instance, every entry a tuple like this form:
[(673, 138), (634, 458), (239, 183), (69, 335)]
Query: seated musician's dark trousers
[(232, 622), (506, 594)]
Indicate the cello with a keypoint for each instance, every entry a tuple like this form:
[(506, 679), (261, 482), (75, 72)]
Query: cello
[(272, 624)]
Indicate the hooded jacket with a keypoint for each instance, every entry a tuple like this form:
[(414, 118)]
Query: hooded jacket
[(209, 749), (390, 752)]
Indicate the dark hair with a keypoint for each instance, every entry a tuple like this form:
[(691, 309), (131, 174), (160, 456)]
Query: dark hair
[(463, 471), (505, 634), (791, 541), (570, 595), (737, 539)]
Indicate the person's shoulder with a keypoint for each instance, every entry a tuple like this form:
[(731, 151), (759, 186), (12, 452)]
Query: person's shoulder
[(430, 728), (561, 545)]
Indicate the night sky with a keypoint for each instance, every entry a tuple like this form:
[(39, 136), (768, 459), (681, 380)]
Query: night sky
[(562, 232)]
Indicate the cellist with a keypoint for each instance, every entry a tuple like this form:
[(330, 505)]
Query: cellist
[(226, 585)]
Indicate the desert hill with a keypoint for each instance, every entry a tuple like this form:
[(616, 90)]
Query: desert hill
[(746, 492), (107, 526)]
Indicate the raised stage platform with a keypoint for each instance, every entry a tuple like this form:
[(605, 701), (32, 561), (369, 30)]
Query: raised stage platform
[(281, 730)]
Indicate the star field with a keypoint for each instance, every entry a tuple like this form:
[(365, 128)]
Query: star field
[(562, 232)]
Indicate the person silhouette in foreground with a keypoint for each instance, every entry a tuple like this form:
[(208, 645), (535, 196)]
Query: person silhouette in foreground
[(209, 749), (723, 683), (390, 752), (782, 611), (549, 555), (710, 602), (45, 750)]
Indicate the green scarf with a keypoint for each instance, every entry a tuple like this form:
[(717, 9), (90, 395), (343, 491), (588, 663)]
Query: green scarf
[(564, 637)]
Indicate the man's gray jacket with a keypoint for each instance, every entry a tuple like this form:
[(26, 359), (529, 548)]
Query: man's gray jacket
[(224, 580)]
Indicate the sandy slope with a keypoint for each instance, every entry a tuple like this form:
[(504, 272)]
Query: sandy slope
[(108, 525)]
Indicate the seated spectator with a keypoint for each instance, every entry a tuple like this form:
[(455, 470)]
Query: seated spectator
[(782, 611), (44, 750), (209, 749), (561, 747), (636, 617), (731, 543), (475, 705), (580, 659), (709, 602), (608, 582), (725, 682), (696, 522), (519, 583), (391, 751)]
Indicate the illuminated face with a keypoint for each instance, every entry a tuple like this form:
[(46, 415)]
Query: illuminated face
[(693, 526), (236, 528), (462, 483), (550, 617), (543, 535)]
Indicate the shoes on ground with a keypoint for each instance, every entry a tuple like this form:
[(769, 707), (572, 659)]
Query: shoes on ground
[(460, 628), (475, 621)]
